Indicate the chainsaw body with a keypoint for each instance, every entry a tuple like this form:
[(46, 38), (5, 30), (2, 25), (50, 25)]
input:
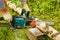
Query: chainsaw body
[(22, 20), (18, 22)]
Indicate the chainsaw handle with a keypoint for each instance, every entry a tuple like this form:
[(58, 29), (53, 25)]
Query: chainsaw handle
[(27, 15), (25, 12)]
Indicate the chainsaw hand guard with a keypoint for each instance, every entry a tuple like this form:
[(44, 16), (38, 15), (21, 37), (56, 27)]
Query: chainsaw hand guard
[(25, 13)]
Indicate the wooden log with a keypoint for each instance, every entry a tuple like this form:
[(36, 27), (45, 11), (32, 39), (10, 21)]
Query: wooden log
[(14, 7), (19, 10), (34, 34), (7, 16), (48, 30)]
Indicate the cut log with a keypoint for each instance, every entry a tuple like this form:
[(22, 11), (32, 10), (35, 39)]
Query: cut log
[(48, 30), (14, 7), (19, 10), (7, 16), (34, 34)]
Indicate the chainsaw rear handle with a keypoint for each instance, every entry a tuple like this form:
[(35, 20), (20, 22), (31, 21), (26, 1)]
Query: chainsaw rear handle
[(24, 12), (27, 15)]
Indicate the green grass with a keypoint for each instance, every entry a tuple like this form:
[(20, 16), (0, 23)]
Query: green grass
[(18, 34), (7, 34)]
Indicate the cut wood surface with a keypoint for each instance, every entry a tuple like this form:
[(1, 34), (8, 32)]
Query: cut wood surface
[(49, 31), (34, 34)]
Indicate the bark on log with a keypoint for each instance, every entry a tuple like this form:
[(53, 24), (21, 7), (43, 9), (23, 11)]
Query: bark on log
[(34, 34), (48, 30), (14, 7)]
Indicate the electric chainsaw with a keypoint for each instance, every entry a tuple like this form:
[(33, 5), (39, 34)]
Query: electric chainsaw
[(22, 20)]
